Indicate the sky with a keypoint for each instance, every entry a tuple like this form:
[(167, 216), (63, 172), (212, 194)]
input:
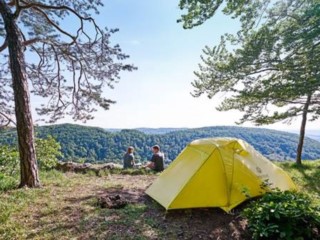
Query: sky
[(158, 93)]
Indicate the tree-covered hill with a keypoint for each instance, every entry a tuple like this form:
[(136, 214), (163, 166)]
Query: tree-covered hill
[(98, 145)]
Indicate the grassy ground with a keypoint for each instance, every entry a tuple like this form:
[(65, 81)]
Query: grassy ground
[(306, 177), (66, 208)]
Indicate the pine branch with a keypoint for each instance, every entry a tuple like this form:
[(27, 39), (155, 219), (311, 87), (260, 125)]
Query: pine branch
[(55, 25), (31, 41), (39, 7), (9, 120), (50, 7)]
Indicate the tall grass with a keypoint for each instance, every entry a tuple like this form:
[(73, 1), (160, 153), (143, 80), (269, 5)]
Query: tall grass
[(306, 177)]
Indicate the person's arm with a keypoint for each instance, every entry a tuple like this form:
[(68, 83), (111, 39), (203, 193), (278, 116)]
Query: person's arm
[(151, 163), (132, 160), (124, 161)]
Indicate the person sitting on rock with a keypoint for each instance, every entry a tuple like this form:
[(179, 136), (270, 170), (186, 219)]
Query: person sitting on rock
[(157, 161), (128, 158)]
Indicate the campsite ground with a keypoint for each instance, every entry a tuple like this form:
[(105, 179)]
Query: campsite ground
[(66, 208)]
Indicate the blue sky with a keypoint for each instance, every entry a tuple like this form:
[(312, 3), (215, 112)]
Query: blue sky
[(158, 93)]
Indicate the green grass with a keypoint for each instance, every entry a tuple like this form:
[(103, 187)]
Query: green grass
[(66, 207), (306, 177), (133, 171), (129, 222), (7, 182), (14, 203)]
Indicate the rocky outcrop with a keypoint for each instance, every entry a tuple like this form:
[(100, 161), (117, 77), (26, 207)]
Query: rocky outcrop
[(85, 167)]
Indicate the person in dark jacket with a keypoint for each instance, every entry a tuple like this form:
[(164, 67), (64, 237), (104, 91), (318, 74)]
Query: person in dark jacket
[(157, 160), (128, 158)]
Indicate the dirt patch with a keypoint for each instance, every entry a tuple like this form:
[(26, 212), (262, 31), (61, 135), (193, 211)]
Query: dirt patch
[(69, 210), (201, 224), (210, 223), (130, 188)]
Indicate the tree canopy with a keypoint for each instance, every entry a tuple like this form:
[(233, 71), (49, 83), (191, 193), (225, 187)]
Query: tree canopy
[(270, 68), (67, 64)]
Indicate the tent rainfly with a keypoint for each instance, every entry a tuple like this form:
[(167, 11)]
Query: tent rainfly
[(217, 172)]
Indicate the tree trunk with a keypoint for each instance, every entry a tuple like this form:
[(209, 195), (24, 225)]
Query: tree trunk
[(25, 131), (303, 130)]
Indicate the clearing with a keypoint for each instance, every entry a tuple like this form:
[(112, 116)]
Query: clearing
[(66, 207)]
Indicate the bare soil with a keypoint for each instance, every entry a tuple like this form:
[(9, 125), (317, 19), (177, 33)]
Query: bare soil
[(70, 210), (177, 224)]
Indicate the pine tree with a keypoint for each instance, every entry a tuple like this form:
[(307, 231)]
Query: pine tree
[(270, 68), (68, 67)]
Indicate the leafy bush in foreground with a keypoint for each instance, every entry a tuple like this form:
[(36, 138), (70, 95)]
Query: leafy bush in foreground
[(48, 151), (9, 160), (7, 182), (283, 215)]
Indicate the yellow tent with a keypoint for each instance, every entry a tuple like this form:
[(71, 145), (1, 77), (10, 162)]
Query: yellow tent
[(216, 172)]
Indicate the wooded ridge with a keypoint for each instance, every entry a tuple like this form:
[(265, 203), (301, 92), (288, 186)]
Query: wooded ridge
[(92, 144)]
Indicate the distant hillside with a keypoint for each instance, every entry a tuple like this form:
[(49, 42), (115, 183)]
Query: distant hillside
[(315, 137), (313, 134), (149, 130), (159, 130), (96, 144)]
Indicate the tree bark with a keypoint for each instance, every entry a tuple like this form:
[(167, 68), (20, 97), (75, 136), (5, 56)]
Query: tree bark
[(25, 130), (303, 130)]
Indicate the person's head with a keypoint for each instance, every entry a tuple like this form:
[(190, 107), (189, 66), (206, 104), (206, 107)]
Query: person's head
[(130, 149), (156, 149)]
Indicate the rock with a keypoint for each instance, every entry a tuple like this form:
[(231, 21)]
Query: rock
[(112, 201), (77, 167), (66, 166), (85, 167), (108, 166)]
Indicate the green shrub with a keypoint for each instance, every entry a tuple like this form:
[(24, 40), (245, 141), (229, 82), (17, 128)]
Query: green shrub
[(48, 151), (7, 182), (283, 215), (9, 160)]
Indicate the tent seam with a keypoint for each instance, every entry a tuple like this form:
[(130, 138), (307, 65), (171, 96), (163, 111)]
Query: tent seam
[(233, 158), (225, 174)]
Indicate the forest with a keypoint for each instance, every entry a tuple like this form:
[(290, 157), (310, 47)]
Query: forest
[(92, 144)]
